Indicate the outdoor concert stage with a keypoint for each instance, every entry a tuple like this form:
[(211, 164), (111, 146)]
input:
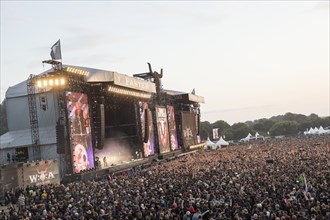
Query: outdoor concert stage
[(91, 121)]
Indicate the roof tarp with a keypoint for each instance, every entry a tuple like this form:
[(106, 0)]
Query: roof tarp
[(19, 138), (93, 76)]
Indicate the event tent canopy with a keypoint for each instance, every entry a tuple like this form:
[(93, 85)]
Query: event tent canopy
[(221, 142)]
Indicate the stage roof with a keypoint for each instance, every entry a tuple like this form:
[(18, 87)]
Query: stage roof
[(93, 76), (182, 96), (21, 138)]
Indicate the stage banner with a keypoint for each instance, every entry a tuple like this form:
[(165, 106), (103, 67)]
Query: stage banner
[(215, 133), (41, 173), (162, 128), (80, 131), (172, 127), (147, 129), (189, 135)]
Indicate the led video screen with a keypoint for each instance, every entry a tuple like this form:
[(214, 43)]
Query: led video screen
[(189, 135), (171, 121), (80, 131), (162, 128), (147, 129)]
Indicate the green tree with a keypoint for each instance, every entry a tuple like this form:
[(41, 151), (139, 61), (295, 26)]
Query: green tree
[(240, 130), (325, 122), (263, 125), (3, 118), (284, 128), (205, 129)]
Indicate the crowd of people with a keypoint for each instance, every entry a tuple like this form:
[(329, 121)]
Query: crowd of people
[(283, 179)]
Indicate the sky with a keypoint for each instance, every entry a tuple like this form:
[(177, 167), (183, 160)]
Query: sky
[(248, 59)]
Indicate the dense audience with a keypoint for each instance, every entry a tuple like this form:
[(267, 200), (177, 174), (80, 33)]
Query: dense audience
[(284, 179)]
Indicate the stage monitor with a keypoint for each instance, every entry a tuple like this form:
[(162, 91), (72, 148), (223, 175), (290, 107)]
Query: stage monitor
[(80, 131)]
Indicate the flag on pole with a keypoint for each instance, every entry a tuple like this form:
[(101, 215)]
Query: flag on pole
[(215, 133), (303, 182), (56, 51)]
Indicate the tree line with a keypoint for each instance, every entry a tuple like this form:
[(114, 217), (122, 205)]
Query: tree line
[(288, 124), (3, 118)]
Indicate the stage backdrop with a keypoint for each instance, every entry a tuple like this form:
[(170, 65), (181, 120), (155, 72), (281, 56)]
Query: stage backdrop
[(171, 122), (189, 135), (162, 128), (80, 131)]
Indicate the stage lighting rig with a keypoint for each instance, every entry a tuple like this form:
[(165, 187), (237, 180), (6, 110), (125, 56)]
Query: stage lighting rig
[(76, 71), (122, 91), (51, 82)]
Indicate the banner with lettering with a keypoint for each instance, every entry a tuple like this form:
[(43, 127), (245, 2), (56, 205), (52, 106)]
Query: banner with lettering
[(41, 173), (162, 128), (189, 135)]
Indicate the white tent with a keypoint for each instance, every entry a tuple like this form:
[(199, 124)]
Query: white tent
[(210, 144), (323, 131), (316, 130), (258, 136), (221, 142), (246, 139)]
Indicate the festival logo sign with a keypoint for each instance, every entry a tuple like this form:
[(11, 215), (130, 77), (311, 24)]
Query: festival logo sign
[(173, 135), (80, 131), (189, 135), (41, 173), (162, 128), (147, 130)]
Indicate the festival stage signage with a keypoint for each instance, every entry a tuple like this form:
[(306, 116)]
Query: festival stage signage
[(189, 135), (147, 129), (171, 122), (40, 173), (162, 128), (80, 131)]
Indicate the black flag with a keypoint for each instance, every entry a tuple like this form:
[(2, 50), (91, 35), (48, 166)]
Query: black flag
[(56, 51)]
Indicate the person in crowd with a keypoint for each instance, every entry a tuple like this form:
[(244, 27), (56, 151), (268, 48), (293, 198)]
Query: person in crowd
[(274, 179)]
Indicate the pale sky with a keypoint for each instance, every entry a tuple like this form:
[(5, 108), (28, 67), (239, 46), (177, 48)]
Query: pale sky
[(248, 59)]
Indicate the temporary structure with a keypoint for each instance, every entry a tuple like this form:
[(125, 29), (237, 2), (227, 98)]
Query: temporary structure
[(246, 139), (221, 142), (210, 144), (258, 136), (316, 130)]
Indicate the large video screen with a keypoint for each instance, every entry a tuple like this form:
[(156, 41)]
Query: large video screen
[(171, 121), (147, 129), (162, 128), (80, 131), (189, 135)]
